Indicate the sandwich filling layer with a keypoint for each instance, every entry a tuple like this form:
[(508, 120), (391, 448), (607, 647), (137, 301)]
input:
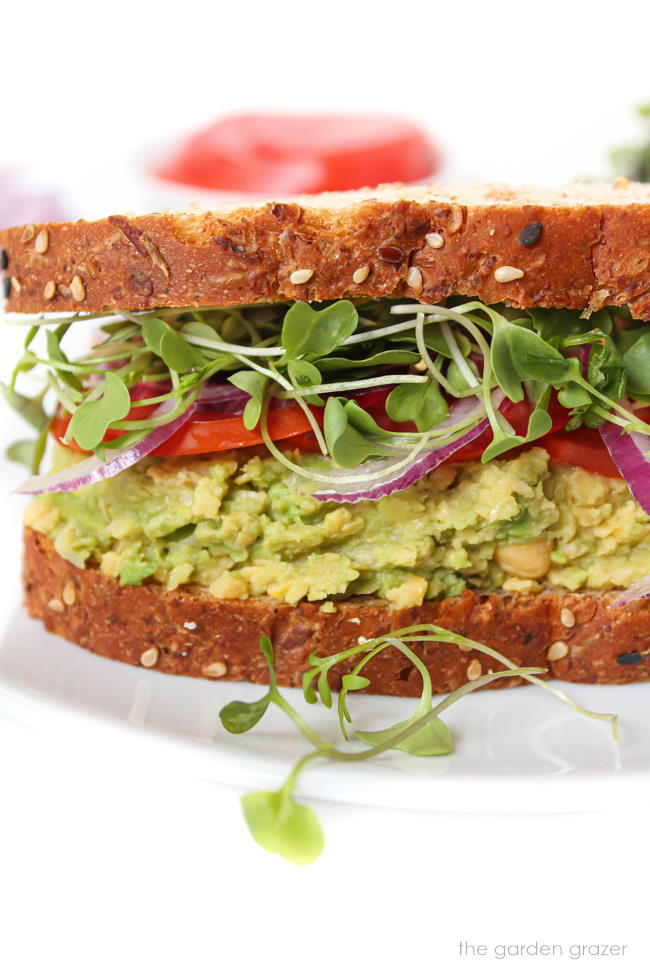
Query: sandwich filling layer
[(315, 452), (235, 523)]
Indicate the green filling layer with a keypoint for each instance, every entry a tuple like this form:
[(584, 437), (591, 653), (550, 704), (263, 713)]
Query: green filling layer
[(237, 524)]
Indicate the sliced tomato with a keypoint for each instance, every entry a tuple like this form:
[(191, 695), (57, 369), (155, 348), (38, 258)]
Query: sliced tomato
[(374, 402), (517, 415), (287, 154), (206, 433), (583, 448)]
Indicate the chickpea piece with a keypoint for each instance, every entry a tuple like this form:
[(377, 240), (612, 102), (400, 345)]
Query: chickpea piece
[(526, 560)]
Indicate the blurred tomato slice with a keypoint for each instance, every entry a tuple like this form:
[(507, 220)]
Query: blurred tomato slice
[(286, 154)]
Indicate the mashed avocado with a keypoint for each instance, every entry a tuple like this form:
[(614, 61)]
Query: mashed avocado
[(235, 523)]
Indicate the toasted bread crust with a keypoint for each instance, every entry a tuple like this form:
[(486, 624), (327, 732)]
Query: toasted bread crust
[(593, 250), (606, 643)]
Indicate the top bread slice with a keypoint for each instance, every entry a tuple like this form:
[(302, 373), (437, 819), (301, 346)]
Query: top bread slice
[(582, 246)]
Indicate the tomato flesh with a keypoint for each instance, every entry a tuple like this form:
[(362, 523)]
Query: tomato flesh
[(517, 414), (584, 448), (287, 154), (206, 433)]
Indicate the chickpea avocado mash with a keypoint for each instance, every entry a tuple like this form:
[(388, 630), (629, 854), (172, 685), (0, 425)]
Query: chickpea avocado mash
[(234, 523)]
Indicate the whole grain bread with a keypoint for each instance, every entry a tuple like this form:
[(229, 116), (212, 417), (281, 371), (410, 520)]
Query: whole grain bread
[(582, 246), (580, 637)]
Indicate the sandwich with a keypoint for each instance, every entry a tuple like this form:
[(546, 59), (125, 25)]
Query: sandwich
[(329, 418)]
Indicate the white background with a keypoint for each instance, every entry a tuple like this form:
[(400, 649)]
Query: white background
[(108, 866)]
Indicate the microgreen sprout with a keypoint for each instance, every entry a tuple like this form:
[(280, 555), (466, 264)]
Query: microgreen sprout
[(281, 825), (331, 356)]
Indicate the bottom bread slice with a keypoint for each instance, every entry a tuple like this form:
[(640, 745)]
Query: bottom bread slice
[(577, 636)]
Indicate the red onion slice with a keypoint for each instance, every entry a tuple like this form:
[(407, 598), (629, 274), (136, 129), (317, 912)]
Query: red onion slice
[(210, 394), (224, 395), (638, 590), (93, 469), (421, 465), (629, 451)]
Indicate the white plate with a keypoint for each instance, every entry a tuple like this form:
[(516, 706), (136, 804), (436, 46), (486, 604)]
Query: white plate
[(516, 750)]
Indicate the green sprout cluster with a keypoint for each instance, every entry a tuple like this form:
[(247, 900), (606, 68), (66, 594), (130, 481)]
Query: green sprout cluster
[(323, 356), (275, 819)]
